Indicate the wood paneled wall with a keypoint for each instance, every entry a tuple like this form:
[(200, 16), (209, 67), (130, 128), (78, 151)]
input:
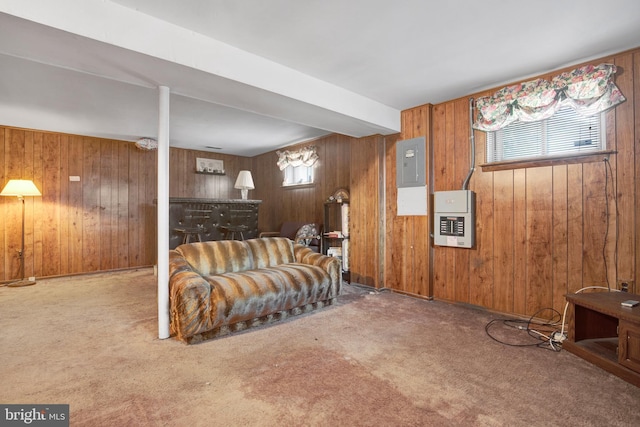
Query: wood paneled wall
[(105, 221), (407, 257), (541, 232), (280, 204), (185, 182), (366, 211), (344, 162)]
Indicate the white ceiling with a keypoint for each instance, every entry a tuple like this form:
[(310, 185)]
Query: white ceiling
[(251, 76)]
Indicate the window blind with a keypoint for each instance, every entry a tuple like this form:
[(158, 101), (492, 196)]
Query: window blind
[(566, 132)]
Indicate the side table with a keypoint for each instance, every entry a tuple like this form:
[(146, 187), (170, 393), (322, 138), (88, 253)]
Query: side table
[(603, 332)]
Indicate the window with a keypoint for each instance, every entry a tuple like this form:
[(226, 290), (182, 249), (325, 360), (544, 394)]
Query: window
[(564, 133), (297, 165), (298, 175)]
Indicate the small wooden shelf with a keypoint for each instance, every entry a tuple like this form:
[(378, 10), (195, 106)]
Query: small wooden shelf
[(604, 347), (333, 221), (211, 173)]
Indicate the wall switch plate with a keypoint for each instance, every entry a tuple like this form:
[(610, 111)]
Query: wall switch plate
[(74, 178)]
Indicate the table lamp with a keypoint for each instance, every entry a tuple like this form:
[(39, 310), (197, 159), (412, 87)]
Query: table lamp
[(21, 188), (244, 183)]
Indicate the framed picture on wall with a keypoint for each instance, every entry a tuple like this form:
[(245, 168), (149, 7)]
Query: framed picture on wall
[(213, 166)]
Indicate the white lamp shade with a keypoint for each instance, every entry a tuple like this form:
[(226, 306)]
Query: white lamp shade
[(244, 181), (20, 187)]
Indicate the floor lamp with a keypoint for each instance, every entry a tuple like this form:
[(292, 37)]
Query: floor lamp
[(21, 188)]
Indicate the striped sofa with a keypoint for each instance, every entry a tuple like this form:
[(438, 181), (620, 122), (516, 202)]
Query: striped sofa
[(224, 286)]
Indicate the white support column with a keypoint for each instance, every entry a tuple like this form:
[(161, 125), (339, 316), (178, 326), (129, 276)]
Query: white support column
[(163, 213)]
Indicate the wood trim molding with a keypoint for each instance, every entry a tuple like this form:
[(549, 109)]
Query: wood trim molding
[(547, 161)]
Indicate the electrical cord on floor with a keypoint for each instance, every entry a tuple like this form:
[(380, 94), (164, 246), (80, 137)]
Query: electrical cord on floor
[(542, 332)]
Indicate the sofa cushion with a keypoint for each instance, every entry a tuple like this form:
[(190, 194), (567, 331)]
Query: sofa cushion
[(270, 251), (217, 257), (249, 294)]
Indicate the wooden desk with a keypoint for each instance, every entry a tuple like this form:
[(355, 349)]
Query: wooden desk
[(604, 333)]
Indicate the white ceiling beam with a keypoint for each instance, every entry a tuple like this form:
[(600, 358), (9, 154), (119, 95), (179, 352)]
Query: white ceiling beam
[(111, 23)]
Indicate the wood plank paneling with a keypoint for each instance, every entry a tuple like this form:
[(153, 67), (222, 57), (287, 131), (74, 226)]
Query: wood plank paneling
[(540, 231), (108, 205), (15, 156), (344, 162), (392, 258), (635, 255), (51, 211), (281, 204), (79, 226), (626, 163), (122, 243), (185, 182), (63, 200), (90, 176), (481, 266), (439, 149), (29, 241), (407, 243), (365, 233), (595, 224), (559, 236), (546, 230), (519, 241), (503, 224), (538, 239), (575, 226), (75, 204), (38, 229)]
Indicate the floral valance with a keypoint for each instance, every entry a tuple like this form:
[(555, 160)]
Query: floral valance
[(588, 90), (304, 156)]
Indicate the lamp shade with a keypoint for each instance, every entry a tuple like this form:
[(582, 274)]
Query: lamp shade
[(244, 181), (20, 187)]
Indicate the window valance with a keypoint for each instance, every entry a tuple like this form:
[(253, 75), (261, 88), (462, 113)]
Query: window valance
[(588, 90), (304, 156)]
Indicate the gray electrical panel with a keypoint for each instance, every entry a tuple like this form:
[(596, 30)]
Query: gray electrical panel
[(454, 218), (411, 163)]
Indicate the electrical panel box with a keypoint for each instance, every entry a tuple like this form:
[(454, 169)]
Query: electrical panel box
[(454, 218), (411, 162)]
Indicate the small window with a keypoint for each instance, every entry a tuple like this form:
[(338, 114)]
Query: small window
[(298, 175), (564, 133)]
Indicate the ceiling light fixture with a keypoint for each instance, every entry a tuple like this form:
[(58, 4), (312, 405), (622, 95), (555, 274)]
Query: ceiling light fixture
[(148, 144)]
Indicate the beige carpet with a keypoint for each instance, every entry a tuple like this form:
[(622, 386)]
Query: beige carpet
[(371, 360)]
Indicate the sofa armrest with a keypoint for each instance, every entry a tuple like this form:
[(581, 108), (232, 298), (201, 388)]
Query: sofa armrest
[(332, 265), (189, 296)]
